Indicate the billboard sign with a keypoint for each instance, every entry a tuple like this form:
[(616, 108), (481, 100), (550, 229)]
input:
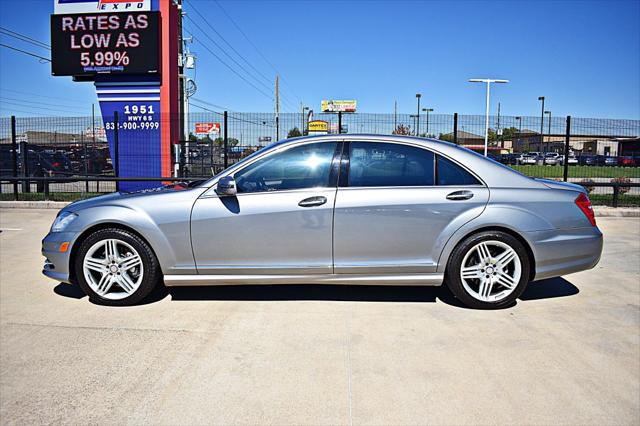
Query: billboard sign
[(207, 128), (105, 43), (95, 6), (338, 106), (318, 127)]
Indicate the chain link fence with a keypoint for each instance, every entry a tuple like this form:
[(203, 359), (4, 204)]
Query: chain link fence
[(67, 158)]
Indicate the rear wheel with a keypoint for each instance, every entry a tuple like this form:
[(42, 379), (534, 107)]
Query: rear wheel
[(488, 270), (116, 267)]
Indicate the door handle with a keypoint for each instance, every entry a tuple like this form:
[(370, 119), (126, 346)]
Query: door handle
[(460, 195), (313, 201)]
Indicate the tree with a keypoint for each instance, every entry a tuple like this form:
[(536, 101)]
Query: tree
[(448, 137), (294, 133), (401, 129), (231, 141)]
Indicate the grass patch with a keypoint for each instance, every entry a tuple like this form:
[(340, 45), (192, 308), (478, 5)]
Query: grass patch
[(624, 200), (578, 171), (53, 196)]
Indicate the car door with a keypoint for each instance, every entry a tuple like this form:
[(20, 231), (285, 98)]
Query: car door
[(280, 221), (397, 204)]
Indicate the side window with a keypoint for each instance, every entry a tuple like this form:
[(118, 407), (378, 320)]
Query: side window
[(450, 173), (389, 164), (305, 166)]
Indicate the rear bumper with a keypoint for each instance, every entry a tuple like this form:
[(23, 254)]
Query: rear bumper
[(562, 252), (56, 265)]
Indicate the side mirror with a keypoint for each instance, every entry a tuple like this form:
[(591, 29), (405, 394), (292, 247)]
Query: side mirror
[(226, 187)]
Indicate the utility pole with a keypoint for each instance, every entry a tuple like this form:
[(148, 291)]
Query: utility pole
[(277, 108)]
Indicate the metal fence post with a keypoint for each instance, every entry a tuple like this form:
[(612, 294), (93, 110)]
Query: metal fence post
[(277, 128), (339, 121), (455, 128), (616, 193), (24, 164), (226, 141), (116, 150), (14, 163), (565, 173)]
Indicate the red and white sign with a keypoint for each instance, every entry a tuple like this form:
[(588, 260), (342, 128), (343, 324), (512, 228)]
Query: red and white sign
[(207, 128)]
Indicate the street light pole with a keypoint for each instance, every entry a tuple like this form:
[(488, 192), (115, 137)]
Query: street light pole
[(549, 118), (488, 82), (418, 96), (541, 98), (519, 118), (427, 110)]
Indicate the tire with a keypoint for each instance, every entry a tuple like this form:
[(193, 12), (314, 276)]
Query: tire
[(492, 281), (120, 279)]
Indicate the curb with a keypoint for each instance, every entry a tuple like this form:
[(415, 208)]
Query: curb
[(600, 211), (606, 211), (33, 204)]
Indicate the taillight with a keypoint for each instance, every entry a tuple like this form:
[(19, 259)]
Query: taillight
[(584, 204), (56, 164)]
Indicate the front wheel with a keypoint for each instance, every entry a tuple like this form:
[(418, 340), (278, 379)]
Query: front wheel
[(115, 267), (488, 270)]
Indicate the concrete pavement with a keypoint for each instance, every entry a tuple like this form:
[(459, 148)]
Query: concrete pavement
[(568, 352)]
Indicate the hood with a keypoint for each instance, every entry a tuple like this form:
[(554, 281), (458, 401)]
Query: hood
[(118, 197), (554, 184)]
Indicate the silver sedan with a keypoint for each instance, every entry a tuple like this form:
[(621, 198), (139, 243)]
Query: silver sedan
[(337, 209)]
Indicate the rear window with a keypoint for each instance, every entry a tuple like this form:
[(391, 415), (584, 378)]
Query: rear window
[(449, 173)]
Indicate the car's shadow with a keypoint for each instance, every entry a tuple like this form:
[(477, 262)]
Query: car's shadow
[(545, 289)]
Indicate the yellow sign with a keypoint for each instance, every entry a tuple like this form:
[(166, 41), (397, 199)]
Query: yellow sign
[(318, 126), (338, 106)]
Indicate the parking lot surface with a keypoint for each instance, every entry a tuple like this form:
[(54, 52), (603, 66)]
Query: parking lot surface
[(568, 352)]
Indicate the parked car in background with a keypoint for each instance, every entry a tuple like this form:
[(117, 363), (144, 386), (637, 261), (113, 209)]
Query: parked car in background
[(591, 160), (552, 159), (530, 158), (629, 161), (611, 161), (354, 209)]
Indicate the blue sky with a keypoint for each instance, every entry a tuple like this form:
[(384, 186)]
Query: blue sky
[(584, 56)]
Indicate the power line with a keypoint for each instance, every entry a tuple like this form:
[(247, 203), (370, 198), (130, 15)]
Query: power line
[(225, 52), (232, 117), (42, 58), (23, 111), (227, 43), (42, 103), (2, 89), (25, 38), (253, 45), (213, 105), (39, 107), (234, 71)]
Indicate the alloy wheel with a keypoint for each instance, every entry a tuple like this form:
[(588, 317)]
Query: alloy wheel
[(113, 269), (491, 270)]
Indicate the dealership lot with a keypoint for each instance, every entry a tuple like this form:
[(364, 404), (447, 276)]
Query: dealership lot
[(568, 352)]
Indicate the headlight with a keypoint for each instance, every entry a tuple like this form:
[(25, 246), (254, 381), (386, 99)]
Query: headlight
[(62, 221)]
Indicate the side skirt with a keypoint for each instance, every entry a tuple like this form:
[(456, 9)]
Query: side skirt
[(433, 279)]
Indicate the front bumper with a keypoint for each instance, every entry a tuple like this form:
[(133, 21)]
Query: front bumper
[(562, 252), (56, 265)]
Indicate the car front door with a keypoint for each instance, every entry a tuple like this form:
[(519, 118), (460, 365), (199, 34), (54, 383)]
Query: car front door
[(280, 221), (397, 205)]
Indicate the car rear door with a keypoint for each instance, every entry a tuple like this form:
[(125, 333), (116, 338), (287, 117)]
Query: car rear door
[(281, 220), (397, 205)]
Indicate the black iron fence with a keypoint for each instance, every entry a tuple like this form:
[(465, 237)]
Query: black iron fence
[(65, 158)]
